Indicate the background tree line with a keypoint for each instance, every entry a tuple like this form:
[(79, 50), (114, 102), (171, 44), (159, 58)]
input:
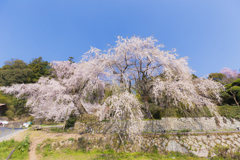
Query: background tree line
[(231, 80), (17, 71)]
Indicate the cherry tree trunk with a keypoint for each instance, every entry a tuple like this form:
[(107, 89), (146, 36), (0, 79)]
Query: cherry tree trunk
[(149, 115), (80, 108), (64, 125)]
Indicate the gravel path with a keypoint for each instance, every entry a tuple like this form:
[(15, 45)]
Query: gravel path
[(8, 133)]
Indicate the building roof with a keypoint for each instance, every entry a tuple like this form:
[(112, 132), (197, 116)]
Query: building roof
[(2, 104)]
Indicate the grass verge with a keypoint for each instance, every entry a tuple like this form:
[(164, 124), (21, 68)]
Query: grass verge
[(21, 149), (68, 153)]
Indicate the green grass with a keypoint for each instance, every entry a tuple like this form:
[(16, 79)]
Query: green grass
[(21, 152), (59, 130), (51, 153), (68, 153), (52, 124)]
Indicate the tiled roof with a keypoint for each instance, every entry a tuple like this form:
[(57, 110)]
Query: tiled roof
[(2, 104)]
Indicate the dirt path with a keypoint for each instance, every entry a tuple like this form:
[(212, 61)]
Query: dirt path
[(37, 137), (32, 152)]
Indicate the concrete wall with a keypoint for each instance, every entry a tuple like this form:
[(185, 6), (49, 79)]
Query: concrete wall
[(15, 124), (194, 124)]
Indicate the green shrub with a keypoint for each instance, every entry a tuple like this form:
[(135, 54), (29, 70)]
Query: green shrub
[(236, 82), (234, 89), (229, 111), (185, 130), (71, 121), (225, 153), (10, 114), (238, 96), (71, 139), (180, 111), (227, 96), (227, 86), (15, 107), (155, 110), (31, 118)]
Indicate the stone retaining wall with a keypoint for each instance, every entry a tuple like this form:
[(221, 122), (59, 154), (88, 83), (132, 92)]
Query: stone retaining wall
[(203, 145), (206, 145), (193, 124), (199, 145)]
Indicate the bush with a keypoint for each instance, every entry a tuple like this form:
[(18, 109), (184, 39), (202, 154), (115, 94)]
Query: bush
[(31, 118), (71, 121), (229, 111), (238, 96), (236, 82), (181, 111), (227, 86), (185, 130), (155, 110), (225, 153), (233, 87), (10, 114), (15, 107)]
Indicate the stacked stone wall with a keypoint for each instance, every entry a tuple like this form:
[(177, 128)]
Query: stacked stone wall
[(167, 124), (199, 145), (204, 145)]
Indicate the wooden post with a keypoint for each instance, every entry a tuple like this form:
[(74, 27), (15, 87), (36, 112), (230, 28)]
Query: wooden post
[(9, 156)]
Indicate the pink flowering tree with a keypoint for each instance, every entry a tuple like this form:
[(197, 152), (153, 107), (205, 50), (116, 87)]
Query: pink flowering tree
[(52, 98), (140, 64), (229, 73)]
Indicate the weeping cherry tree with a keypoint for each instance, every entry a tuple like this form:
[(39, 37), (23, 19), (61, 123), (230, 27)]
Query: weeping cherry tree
[(140, 64)]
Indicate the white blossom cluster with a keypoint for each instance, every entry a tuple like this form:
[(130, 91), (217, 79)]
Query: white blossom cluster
[(51, 97)]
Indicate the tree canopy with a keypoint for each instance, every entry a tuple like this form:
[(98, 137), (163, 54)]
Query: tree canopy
[(232, 93), (39, 69), (218, 77), (14, 71), (17, 71)]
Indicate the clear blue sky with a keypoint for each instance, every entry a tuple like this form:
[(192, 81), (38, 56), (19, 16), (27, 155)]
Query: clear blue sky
[(207, 31)]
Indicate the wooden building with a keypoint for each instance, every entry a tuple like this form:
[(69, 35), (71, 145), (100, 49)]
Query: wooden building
[(3, 109)]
